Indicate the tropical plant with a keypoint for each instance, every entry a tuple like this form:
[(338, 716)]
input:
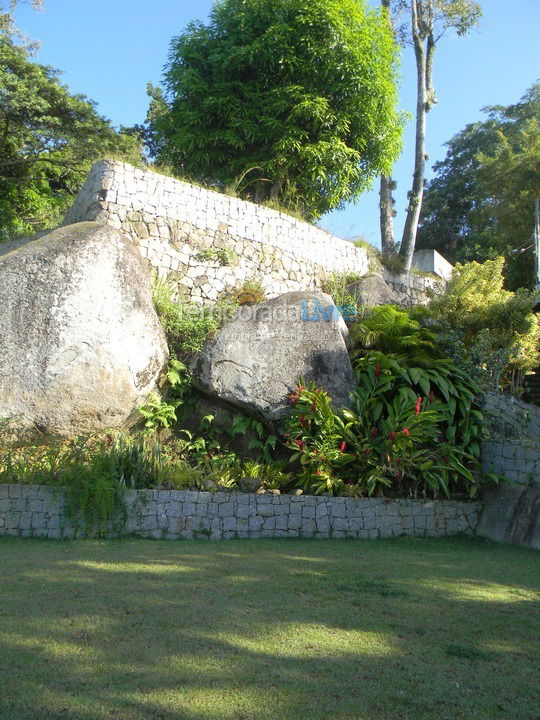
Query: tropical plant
[(393, 332), (297, 98), (387, 442), (262, 442)]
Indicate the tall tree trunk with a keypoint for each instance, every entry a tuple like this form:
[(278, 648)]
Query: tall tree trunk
[(424, 48), (386, 206), (386, 201)]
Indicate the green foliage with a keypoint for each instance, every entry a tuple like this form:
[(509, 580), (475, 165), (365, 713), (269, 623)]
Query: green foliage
[(262, 442), (33, 464), (338, 286), (49, 139), (394, 332), (296, 98), (188, 326), (223, 256), (414, 426), (491, 332), (390, 441), (159, 413), (250, 292), (480, 203)]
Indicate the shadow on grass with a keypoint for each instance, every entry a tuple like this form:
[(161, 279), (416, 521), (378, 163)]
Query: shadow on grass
[(268, 629)]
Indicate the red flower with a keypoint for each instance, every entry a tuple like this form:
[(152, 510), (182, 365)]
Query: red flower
[(406, 431), (299, 443), (418, 406), (377, 369), (318, 472), (392, 435), (286, 436), (294, 399), (315, 451), (302, 421), (343, 446), (374, 432), (314, 405)]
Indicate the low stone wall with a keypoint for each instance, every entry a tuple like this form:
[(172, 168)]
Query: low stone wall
[(36, 511)]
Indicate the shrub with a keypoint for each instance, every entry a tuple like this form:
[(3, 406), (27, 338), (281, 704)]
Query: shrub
[(338, 286), (250, 292), (491, 333), (385, 443), (187, 325)]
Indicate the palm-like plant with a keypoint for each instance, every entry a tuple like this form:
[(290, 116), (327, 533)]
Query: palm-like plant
[(394, 333)]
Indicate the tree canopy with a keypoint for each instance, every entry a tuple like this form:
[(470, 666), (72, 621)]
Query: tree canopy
[(48, 140), (480, 203), (292, 100)]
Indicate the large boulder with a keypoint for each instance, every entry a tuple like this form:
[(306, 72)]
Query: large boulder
[(372, 289), (80, 342), (255, 360), (511, 514)]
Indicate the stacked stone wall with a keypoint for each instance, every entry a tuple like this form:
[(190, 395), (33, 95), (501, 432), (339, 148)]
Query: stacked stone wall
[(513, 448), (210, 243), (36, 511)]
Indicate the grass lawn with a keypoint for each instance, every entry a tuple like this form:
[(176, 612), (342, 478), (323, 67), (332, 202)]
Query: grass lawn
[(281, 629)]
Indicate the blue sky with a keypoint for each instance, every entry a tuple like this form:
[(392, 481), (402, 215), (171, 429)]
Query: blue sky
[(110, 49)]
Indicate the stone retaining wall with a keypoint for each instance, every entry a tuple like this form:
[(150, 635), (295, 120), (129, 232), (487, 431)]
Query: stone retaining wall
[(518, 460), (209, 243), (412, 289), (513, 449), (510, 417), (31, 510)]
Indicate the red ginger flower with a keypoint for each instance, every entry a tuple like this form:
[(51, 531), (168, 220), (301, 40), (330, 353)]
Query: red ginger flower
[(406, 431), (377, 369), (299, 443), (343, 446), (418, 406), (392, 435)]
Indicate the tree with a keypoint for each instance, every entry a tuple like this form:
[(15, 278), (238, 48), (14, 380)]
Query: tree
[(480, 203), (48, 141), (289, 100), (387, 186), (428, 21)]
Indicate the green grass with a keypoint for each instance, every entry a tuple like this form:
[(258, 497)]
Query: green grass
[(343, 630)]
